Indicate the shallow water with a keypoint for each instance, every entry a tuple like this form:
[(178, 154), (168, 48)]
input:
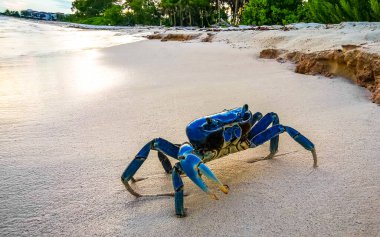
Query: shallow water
[(41, 63), (48, 75), (29, 38)]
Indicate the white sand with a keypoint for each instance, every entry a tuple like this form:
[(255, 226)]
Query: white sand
[(300, 38), (307, 40), (63, 156)]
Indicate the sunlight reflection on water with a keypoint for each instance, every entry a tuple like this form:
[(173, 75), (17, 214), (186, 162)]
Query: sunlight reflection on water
[(90, 76), (40, 85), (46, 69), (20, 38)]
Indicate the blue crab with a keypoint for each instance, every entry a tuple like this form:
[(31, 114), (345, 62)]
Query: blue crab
[(212, 137)]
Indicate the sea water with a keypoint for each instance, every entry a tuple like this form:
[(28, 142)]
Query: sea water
[(41, 63), (50, 77), (27, 38)]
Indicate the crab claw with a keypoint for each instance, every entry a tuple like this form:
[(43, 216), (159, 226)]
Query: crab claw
[(203, 169), (193, 166)]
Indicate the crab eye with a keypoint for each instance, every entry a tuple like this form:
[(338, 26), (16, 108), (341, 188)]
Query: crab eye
[(244, 109)]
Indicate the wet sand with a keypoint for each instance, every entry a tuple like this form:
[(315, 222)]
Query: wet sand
[(64, 146)]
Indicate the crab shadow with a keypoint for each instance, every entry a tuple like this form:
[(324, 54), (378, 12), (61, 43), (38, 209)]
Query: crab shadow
[(233, 171)]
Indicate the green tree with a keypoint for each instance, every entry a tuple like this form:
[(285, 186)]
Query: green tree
[(198, 12), (235, 7), (355, 10), (336, 11), (143, 11), (269, 12), (323, 11), (114, 16), (169, 9), (11, 13), (375, 10), (256, 12), (7, 12), (91, 8), (191, 12)]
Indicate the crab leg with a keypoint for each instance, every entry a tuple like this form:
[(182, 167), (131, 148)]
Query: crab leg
[(268, 119), (162, 146), (178, 188), (256, 117), (276, 130)]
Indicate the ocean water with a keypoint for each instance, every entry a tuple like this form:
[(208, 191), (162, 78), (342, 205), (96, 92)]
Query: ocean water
[(51, 81), (42, 62), (20, 38)]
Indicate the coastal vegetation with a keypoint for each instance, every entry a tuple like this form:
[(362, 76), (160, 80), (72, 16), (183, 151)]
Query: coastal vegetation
[(335, 11), (204, 13), (11, 13)]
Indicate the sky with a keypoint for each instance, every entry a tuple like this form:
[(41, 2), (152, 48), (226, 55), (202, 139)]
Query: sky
[(63, 6)]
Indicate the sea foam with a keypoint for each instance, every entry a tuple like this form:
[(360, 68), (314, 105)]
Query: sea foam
[(20, 37)]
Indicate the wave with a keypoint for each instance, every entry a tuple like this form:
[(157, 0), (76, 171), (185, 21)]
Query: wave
[(20, 38)]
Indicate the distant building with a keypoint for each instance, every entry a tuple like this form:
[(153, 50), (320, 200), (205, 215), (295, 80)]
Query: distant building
[(47, 16)]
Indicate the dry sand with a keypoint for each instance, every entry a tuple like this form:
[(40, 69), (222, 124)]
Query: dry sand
[(301, 37), (63, 160)]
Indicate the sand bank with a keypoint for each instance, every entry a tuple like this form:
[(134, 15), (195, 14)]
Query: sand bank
[(350, 62), (350, 49)]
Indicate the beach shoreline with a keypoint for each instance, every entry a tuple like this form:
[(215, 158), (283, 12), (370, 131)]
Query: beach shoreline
[(62, 159), (349, 49)]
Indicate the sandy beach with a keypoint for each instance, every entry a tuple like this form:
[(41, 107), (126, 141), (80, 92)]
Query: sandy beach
[(66, 142)]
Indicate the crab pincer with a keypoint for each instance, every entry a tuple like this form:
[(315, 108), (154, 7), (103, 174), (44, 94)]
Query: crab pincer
[(193, 167)]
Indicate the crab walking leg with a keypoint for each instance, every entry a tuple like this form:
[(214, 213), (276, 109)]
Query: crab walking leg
[(165, 162), (178, 189), (256, 117), (268, 119), (158, 144), (274, 131)]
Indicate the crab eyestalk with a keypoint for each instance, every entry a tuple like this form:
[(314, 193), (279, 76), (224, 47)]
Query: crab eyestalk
[(244, 109)]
